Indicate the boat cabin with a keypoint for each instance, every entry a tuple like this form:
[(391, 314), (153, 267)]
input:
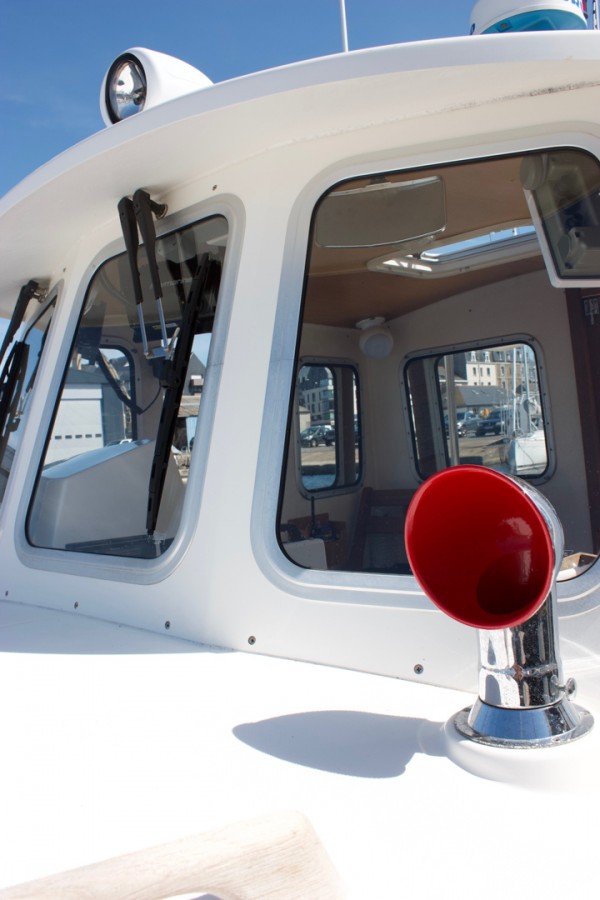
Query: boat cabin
[(246, 324)]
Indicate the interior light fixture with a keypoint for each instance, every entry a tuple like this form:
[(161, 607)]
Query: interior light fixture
[(376, 341), (463, 253)]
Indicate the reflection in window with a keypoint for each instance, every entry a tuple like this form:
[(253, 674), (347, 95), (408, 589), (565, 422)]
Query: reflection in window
[(18, 377), (492, 415), (328, 423), (115, 469), (327, 465), (96, 406)]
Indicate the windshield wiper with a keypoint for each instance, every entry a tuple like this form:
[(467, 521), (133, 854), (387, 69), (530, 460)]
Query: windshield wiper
[(29, 290), (13, 373), (134, 214), (144, 206), (198, 307), (12, 382)]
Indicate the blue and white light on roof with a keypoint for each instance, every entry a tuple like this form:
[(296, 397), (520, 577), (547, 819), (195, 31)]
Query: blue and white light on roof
[(503, 17)]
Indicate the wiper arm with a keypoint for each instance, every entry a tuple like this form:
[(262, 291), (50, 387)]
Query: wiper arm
[(29, 290), (144, 206), (134, 214), (205, 283), (11, 386), (130, 236), (13, 372)]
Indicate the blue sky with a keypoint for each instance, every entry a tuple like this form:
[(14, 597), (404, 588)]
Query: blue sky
[(54, 53)]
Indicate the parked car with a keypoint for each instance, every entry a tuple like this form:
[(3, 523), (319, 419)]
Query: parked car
[(318, 434), (466, 423), (495, 423)]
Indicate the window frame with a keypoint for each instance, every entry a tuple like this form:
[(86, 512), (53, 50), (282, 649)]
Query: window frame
[(129, 569)]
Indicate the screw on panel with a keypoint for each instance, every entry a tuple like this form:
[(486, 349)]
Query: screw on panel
[(418, 669), (251, 640), (76, 604), (167, 624)]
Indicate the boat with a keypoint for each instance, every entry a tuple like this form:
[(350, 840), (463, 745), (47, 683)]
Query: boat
[(237, 664)]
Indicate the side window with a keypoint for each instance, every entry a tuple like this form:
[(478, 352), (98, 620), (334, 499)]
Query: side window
[(481, 406), (114, 474), (424, 281), (329, 427), (17, 381), (325, 462)]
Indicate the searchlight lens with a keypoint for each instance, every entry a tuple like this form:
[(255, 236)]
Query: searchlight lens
[(125, 88)]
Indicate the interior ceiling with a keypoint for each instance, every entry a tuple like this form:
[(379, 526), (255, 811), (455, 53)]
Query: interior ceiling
[(480, 196)]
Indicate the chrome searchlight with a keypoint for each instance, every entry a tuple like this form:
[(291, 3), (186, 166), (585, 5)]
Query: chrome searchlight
[(140, 79), (126, 88), (492, 564)]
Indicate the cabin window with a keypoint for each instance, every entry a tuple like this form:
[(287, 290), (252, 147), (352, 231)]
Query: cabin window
[(328, 421), (115, 469), (468, 417), (436, 284), (17, 381)]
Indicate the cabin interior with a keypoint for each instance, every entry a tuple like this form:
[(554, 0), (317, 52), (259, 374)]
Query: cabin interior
[(431, 335)]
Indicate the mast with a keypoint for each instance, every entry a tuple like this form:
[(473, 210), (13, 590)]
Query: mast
[(344, 26)]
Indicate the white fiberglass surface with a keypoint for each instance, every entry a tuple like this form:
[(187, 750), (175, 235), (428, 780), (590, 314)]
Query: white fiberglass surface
[(140, 740)]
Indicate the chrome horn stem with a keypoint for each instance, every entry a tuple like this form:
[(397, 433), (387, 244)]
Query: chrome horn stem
[(523, 699)]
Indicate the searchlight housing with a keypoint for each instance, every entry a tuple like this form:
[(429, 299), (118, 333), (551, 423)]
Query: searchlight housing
[(501, 17), (140, 79)]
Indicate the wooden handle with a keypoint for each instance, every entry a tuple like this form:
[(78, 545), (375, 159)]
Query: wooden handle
[(273, 857)]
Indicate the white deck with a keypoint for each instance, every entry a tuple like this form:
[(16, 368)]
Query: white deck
[(116, 739)]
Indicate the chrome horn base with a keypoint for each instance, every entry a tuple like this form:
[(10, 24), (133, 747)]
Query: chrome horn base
[(530, 727)]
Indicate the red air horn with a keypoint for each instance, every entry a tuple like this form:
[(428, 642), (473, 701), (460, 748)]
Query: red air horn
[(486, 549)]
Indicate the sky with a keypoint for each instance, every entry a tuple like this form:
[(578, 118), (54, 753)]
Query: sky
[(54, 53)]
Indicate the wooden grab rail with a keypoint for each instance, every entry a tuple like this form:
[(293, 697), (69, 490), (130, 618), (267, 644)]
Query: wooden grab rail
[(273, 857)]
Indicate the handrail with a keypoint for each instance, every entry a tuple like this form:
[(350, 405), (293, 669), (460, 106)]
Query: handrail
[(277, 856)]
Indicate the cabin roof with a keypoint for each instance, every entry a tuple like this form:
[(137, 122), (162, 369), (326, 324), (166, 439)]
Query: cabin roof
[(378, 89)]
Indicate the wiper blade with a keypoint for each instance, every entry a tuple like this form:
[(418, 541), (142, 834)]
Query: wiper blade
[(198, 306), (29, 290)]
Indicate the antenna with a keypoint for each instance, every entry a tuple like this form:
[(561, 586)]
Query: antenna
[(344, 26)]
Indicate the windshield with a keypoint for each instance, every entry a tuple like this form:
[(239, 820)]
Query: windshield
[(115, 470)]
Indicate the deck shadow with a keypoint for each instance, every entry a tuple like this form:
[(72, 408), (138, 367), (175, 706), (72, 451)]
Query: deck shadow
[(348, 742)]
